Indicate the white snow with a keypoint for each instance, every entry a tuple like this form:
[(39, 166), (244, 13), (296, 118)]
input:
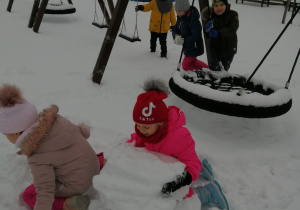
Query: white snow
[(256, 161)]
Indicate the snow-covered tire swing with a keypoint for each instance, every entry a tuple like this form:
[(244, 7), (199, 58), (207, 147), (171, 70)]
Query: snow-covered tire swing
[(232, 94), (60, 9), (218, 93)]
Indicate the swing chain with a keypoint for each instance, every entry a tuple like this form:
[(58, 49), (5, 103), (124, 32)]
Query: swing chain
[(95, 13), (136, 19)]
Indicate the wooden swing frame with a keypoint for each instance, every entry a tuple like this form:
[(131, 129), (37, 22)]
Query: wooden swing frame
[(38, 10)]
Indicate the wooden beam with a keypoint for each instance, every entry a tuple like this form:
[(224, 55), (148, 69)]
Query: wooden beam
[(109, 40), (9, 6), (104, 11), (40, 15), (34, 11)]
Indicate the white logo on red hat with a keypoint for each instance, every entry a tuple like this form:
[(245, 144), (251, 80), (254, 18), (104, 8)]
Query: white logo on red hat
[(151, 105)]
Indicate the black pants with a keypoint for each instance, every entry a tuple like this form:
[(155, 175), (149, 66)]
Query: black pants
[(215, 65), (162, 41)]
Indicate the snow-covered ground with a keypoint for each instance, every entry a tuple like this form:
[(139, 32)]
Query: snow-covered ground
[(257, 161)]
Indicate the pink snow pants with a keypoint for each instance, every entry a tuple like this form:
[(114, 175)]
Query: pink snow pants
[(192, 63), (29, 195)]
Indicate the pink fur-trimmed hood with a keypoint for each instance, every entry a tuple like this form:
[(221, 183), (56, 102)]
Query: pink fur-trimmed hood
[(35, 135)]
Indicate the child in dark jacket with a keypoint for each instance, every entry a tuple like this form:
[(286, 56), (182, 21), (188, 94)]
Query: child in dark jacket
[(188, 33), (162, 15), (161, 128), (61, 160), (222, 27)]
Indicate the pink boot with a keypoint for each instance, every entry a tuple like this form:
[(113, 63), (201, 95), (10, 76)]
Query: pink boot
[(100, 157), (192, 63)]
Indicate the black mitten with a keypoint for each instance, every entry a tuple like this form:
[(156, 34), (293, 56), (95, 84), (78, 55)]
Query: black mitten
[(139, 7), (180, 181), (172, 28)]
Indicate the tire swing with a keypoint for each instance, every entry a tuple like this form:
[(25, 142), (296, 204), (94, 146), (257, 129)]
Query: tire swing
[(96, 22), (232, 94), (126, 36), (60, 8)]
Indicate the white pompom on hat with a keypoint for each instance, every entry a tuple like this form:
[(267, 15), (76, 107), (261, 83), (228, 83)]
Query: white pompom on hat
[(16, 114), (182, 5)]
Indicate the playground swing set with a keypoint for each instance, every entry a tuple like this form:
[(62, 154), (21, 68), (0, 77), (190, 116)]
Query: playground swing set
[(125, 35), (41, 7), (106, 21), (96, 22)]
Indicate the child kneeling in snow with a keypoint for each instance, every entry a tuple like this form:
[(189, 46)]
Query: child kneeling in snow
[(62, 161), (161, 129)]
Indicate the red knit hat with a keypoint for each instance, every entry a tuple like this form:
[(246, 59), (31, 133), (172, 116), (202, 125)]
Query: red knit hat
[(150, 108)]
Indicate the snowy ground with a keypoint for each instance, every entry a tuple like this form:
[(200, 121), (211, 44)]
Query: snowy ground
[(257, 161)]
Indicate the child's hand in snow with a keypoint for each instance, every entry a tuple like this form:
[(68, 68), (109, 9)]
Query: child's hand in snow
[(180, 181)]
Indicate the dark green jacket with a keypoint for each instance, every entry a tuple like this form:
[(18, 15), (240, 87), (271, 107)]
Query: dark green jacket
[(227, 24)]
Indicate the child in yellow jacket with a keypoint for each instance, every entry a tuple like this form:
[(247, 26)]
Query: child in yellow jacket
[(162, 14)]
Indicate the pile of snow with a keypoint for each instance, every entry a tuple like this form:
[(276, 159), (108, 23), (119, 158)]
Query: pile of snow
[(133, 178)]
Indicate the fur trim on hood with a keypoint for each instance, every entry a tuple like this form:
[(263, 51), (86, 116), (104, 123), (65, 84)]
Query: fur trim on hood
[(38, 132)]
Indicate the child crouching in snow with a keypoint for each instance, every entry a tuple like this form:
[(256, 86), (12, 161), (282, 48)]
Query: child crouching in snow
[(62, 161), (161, 129)]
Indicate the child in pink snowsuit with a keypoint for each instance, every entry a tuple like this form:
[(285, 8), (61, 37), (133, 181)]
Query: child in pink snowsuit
[(160, 128), (61, 160)]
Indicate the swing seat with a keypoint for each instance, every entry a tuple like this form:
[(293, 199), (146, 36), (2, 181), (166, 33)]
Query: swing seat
[(95, 23), (60, 9), (217, 92), (129, 38)]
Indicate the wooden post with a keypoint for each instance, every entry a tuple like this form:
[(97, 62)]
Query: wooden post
[(285, 10), (294, 7), (203, 4), (10, 3), (109, 40), (104, 11), (40, 15), (111, 6), (34, 11)]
